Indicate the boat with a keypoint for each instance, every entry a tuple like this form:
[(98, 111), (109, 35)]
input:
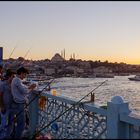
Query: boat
[(39, 80), (135, 78)]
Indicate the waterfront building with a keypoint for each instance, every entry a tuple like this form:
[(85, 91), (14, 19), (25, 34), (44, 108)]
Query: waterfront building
[(102, 69)]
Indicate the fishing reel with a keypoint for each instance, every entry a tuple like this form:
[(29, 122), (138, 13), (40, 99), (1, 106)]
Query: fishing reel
[(42, 102)]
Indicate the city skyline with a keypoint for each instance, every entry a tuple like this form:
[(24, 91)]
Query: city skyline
[(91, 30)]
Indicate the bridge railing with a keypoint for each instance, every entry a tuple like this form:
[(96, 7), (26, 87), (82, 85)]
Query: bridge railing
[(122, 122), (132, 124), (62, 118), (84, 120)]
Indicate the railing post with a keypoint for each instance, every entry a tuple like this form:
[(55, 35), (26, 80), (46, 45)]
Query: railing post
[(33, 113), (115, 128)]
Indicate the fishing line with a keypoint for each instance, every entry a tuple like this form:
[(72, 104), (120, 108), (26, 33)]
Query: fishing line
[(33, 136)]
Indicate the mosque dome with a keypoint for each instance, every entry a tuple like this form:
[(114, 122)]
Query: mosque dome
[(57, 58)]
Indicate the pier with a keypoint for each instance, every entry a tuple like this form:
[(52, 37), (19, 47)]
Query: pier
[(62, 118)]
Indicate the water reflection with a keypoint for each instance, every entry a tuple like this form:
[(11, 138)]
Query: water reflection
[(76, 88)]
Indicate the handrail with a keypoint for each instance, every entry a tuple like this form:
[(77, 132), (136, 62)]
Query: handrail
[(89, 106), (130, 118)]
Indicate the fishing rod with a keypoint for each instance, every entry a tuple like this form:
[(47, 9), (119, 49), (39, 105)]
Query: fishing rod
[(25, 55), (27, 52), (33, 136), (48, 84), (4, 64), (13, 51)]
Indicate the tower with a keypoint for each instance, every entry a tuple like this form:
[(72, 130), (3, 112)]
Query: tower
[(64, 53), (61, 53), (73, 55), (1, 55)]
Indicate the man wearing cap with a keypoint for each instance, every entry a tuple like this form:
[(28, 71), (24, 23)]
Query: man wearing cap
[(19, 91)]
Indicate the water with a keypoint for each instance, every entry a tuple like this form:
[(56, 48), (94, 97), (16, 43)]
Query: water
[(76, 88)]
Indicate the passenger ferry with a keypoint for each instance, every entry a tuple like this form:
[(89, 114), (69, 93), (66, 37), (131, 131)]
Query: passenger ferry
[(135, 78)]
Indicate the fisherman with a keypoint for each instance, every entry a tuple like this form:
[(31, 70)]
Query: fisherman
[(19, 92), (5, 104), (1, 73)]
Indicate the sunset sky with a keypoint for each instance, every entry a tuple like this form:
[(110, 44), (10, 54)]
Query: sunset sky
[(93, 30)]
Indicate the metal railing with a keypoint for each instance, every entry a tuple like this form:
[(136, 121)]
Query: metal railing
[(82, 121)]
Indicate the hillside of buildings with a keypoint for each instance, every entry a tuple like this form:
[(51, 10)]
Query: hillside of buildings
[(57, 66)]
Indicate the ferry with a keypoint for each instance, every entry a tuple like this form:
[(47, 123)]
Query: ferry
[(135, 78)]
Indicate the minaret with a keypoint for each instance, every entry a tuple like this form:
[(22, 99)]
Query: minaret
[(61, 53), (73, 55), (1, 54), (64, 53)]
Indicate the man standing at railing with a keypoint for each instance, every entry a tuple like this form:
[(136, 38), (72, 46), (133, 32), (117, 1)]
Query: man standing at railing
[(19, 91), (5, 104)]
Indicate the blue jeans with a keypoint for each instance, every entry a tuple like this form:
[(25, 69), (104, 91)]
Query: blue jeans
[(20, 119), (7, 127), (10, 122)]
